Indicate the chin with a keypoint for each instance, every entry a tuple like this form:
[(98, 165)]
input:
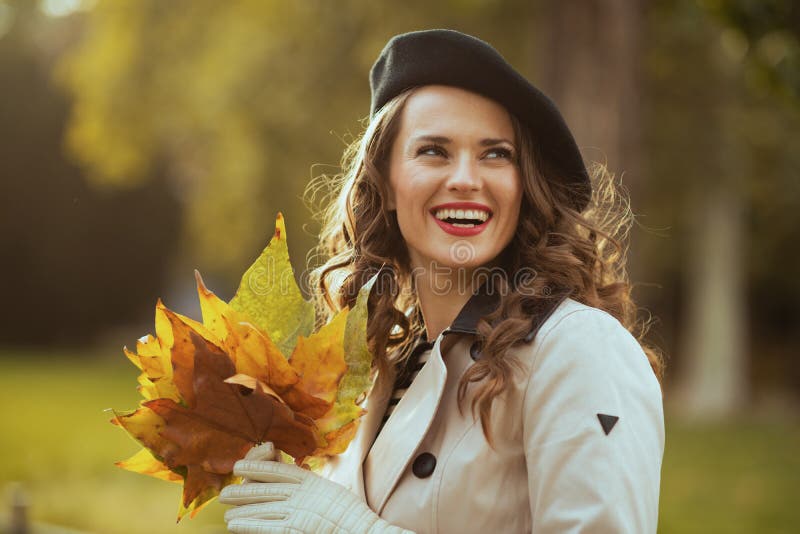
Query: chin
[(448, 257), (467, 261)]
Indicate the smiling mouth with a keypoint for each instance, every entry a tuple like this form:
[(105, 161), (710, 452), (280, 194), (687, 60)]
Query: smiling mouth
[(462, 218)]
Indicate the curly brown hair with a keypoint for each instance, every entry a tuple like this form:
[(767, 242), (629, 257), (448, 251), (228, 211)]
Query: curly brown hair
[(580, 253)]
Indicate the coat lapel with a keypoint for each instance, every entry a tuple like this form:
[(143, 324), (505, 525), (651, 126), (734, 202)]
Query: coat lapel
[(397, 442)]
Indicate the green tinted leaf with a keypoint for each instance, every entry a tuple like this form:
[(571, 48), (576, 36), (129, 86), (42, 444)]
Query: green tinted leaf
[(357, 378), (268, 295)]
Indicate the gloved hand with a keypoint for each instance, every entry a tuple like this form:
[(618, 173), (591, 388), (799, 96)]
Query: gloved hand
[(278, 498)]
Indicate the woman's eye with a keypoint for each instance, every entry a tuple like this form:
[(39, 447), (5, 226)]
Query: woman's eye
[(496, 153), (431, 151)]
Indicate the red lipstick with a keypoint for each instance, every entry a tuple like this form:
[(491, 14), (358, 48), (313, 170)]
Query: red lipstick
[(461, 231)]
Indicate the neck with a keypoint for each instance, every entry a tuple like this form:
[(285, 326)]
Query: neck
[(442, 293)]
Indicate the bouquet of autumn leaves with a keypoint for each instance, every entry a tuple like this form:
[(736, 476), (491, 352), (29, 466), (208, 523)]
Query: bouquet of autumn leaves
[(252, 371)]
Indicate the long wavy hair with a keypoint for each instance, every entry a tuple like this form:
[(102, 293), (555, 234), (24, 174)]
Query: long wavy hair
[(582, 253)]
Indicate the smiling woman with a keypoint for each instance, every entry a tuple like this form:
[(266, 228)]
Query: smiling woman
[(510, 393)]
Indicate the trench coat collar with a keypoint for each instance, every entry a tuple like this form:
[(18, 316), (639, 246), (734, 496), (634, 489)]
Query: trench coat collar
[(483, 302)]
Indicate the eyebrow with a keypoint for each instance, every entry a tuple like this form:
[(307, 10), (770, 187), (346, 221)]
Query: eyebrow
[(445, 140)]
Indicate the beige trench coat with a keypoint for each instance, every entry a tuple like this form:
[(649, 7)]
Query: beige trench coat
[(578, 438)]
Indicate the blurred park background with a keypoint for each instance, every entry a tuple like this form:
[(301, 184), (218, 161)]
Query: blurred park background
[(141, 139)]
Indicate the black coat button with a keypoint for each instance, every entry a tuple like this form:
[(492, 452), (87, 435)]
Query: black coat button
[(475, 351), (423, 465)]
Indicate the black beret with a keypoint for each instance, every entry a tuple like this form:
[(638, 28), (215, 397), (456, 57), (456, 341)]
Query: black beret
[(448, 57)]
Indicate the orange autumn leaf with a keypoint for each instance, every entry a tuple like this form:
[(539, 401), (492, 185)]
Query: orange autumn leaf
[(144, 462), (338, 440), (156, 378), (319, 360), (145, 426)]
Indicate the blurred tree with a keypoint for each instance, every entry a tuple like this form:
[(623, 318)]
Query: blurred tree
[(771, 30), (599, 93), (589, 59), (766, 36), (69, 253), (214, 91), (710, 123), (237, 99)]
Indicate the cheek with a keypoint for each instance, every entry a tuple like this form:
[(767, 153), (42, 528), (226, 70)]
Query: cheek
[(512, 200), (401, 200), (405, 207), (410, 192), (398, 181)]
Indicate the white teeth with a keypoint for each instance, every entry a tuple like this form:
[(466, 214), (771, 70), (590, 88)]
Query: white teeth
[(478, 214)]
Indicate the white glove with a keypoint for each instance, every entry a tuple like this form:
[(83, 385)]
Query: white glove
[(278, 498)]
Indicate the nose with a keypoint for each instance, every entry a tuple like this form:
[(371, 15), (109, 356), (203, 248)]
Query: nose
[(465, 176)]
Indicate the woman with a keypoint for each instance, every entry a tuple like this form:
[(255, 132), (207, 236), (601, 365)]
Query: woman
[(510, 395)]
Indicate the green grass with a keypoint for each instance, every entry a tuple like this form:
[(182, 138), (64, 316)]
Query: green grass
[(733, 477), (56, 441)]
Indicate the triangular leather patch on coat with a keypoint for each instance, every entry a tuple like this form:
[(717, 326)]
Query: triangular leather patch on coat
[(607, 422)]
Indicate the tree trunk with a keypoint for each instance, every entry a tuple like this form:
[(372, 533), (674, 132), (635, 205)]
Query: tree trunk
[(588, 62), (714, 378), (588, 59)]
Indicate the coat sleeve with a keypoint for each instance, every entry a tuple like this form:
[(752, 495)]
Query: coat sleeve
[(593, 429)]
